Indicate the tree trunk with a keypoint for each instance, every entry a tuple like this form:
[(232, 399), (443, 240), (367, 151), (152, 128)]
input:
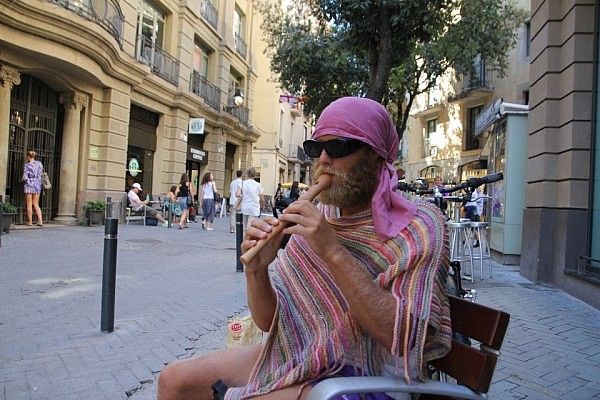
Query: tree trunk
[(379, 72)]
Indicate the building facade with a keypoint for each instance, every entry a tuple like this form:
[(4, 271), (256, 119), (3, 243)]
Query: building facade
[(113, 92), (281, 126), (561, 220), (440, 137)]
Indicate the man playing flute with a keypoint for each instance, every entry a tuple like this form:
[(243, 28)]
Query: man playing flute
[(358, 290)]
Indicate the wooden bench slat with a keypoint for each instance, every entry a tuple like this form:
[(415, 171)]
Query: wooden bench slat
[(469, 366), (484, 324)]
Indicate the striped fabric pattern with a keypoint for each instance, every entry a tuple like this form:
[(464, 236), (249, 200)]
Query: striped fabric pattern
[(314, 335)]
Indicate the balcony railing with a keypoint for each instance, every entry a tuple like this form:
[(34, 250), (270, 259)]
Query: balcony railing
[(240, 46), (481, 78), (161, 63), (297, 154), (209, 12), (105, 13), (200, 86), (240, 113)]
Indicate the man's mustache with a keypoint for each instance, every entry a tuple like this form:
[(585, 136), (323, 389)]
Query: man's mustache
[(329, 171)]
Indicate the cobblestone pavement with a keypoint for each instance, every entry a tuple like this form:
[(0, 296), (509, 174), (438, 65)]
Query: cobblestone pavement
[(175, 291)]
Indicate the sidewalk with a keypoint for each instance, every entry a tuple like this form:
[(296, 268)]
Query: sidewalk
[(175, 290)]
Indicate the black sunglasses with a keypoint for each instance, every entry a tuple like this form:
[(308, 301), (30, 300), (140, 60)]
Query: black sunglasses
[(335, 148)]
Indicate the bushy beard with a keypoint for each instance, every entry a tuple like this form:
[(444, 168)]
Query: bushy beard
[(353, 188)]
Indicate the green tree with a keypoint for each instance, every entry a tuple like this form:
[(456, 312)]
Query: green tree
[(386, 50)]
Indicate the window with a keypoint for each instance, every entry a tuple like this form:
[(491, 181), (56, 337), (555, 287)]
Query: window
[(208, 9), (238, 23), (201, 59), (472, 142), (430, 130), (151, 25), (479, 77), (236, 82), (239, 29)]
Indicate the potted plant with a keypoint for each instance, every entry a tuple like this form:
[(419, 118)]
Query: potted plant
[(94, 211), (8, 211)]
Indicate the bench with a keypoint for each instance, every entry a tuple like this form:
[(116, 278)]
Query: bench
[(471, 367)]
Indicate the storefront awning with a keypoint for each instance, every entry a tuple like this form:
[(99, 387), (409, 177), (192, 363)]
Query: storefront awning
[(496, 110)]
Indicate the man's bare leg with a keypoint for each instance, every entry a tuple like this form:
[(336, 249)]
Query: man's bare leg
[(192, 378)]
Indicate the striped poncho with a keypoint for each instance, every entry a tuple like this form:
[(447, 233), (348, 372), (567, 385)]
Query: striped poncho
[(313, 333)]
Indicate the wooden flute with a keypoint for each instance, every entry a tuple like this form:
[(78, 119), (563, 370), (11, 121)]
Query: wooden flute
[(321, 184)]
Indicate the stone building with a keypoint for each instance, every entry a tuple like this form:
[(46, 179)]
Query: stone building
[(113, 92), (561, 220)]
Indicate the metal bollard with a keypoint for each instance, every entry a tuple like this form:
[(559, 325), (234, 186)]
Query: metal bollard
[(2, 226), (239, 236), (169, 208), (109, 273)]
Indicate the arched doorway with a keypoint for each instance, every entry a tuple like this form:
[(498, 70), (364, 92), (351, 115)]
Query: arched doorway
[(35, 124)]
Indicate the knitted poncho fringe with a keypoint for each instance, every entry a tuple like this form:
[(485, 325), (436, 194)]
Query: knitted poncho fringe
[(313, 333)]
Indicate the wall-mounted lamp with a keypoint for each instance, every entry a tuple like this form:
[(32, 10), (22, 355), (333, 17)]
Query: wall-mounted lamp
[(238, 100)]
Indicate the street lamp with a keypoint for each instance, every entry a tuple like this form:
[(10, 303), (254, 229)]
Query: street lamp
[(238, 100)]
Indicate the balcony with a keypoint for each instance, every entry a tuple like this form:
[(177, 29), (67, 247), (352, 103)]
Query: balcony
[(200, 86), (481, 78), (240, 112), (106, 13), (209, 12), (240, 46), (298, 156), (161, 63)]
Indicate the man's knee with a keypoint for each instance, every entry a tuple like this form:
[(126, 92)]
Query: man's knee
[(170, 382)]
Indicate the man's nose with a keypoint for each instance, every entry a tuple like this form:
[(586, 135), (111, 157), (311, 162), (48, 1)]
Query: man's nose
[(324, 157)]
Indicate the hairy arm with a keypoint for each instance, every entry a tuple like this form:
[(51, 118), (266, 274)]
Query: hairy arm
[(371, 305)]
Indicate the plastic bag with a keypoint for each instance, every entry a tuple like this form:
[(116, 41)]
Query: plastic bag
[(243, 331)]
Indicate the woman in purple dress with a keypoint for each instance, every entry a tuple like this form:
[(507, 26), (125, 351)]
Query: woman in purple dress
[(32, 179)]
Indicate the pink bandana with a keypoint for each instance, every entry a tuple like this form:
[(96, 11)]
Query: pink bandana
[(368, 121)]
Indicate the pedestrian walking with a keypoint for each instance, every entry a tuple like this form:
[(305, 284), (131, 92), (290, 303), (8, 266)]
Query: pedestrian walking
[(185, 198), (234, 186), (32, 187), (251, 193), (208, 201)]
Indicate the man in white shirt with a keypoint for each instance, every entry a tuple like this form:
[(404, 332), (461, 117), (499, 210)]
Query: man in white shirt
[(252, 197), (235, 185), (137, 204), (480, 202)]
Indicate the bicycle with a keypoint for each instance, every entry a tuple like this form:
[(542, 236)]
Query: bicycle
[(454, 285)]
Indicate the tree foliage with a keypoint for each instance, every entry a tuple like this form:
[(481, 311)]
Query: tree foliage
[(386, 50)]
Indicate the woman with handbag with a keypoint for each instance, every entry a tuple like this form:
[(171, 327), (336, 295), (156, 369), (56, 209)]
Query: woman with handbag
[(32, 180), (208, 201), (184, 194)]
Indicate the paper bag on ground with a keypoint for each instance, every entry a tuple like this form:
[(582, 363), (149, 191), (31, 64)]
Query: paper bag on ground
[(242, 331)]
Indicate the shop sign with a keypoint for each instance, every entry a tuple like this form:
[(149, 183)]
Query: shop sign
[(196, 126), (487, 116), (133, 167), (198, 155)]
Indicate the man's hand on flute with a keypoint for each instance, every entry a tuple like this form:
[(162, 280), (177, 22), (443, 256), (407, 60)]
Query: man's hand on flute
[(260, 229)]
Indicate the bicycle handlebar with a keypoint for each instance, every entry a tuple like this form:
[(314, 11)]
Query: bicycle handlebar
[(470, 183)]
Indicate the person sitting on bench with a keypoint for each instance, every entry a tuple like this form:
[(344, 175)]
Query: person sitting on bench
[(358, 290), (137, 204)]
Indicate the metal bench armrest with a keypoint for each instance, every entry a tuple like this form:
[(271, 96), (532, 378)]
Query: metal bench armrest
[(329, 388)]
